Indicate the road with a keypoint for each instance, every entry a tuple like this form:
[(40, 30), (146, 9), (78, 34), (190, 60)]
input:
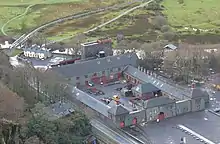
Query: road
[(14, 18)]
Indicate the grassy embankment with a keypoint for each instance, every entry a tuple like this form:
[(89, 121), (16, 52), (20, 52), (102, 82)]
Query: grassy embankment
[(194, 14), (198, 14), (42, 12)]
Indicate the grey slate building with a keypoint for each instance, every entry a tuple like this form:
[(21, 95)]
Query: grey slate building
[(91, 49), (157, 100), (97, 70), (146, 91), (37, 52)]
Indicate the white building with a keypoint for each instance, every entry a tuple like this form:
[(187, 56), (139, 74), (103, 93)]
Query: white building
[(37, 52)]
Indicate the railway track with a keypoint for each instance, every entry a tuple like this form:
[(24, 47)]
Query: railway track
[(138, 133)]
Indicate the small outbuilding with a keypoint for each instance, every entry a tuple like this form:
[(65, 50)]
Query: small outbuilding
[(170, 47), (146, 91)]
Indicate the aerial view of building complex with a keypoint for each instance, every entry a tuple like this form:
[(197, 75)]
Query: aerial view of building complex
[(118, 89), (109, 72)]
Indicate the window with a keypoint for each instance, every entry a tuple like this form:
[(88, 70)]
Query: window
[(111, 70), (77, 78), (103, 72), (86, 76), (95, 74), (122, 118)]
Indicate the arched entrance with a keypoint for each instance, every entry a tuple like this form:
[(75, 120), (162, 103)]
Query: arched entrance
[(161, 116)]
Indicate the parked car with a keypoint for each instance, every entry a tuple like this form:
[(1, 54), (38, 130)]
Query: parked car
[(91, 84)]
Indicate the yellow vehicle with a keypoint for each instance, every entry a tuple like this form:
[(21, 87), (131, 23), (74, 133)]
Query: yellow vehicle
[(116, 98), (217, 87)]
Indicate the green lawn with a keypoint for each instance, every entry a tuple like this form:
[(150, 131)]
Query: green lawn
[(203, 14), (29, 2), (42, 13)]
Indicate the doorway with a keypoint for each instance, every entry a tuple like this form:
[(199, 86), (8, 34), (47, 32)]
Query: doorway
[(161, 116)]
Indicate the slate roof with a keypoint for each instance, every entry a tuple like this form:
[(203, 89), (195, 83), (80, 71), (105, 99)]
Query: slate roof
[(158, 101), (58, 110), (163, 86), (197, 92), (166, 87), (117, 109), (96, 65), (146, 88), (171, 46), (91, 102)]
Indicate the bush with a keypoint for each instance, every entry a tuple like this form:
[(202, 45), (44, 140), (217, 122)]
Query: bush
[(169, 36), (159, 21), (153, 6), (165, 28)]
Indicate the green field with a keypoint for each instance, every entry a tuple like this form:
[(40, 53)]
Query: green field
[(29, 2), (42, 13), (203, 14)]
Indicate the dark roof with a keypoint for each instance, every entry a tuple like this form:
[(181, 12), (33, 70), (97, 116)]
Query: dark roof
[(117, 109), (58, 110), (146, 88), (163, 86), (6, 38), (158, 101), (171, 46), (96, 65), (197, 92), (91, 102)]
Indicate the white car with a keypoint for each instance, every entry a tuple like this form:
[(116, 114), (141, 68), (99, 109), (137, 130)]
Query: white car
[(91, 84)]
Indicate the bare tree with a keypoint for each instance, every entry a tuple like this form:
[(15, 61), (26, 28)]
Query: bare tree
[(75, 44)]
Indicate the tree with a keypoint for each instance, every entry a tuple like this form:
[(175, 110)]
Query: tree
[(76, 41), (169, 35), (122, 45), (159, 21), (153, 6), (133, 45), (165, 28), (73, 129), (181, 1)]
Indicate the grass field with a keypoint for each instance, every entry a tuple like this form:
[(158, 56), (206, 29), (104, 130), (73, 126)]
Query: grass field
[(132, 25), (29, 2), (202, 14), (42, 13)]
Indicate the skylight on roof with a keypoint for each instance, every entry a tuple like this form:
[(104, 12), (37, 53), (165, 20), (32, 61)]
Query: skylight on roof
[(109, 60), (118, 58), (98, 62)]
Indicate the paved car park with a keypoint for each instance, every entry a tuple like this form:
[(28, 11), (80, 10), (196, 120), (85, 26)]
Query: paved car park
[(204, 123), (105, 93)]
